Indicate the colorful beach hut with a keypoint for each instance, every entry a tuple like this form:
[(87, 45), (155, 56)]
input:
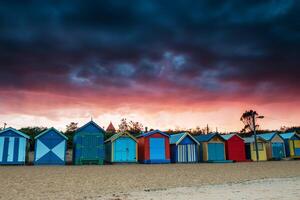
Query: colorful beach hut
[(234, 147), (212, 148), (88, 145), (292, 144), (50, 148), (251, 150), (184, 148), (274, 146), (154, 147), (13, 147), (121, 148)]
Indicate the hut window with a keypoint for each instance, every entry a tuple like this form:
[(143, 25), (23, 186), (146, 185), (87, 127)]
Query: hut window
[(259, 146)]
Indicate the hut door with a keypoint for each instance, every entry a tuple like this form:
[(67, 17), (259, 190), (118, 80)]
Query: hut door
[(1, 148), (120, 150), (131, 150), (89, 147), (186, 153), (297, 147), (125, 150), (11, 147), (216, 151), (157, 149), (277, 150)]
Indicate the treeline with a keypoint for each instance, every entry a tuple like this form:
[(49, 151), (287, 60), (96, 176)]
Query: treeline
[(136, 128)]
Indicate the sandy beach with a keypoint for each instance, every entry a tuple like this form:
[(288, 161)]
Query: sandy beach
[(131, 181)]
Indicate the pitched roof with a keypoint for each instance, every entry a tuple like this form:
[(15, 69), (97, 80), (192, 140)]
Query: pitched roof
[(251, 139), (153, 132), (177, 138), (48, 130), (87, 124), (228, 136), (111, 128), (15, 131), (289, 135), (117, 135), (267, 136), (207, 137)]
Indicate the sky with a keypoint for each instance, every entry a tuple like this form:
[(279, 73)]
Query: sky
[(167, 64)]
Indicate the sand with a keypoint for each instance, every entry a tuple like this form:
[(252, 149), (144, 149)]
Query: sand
[(281, 188), (101, 182)]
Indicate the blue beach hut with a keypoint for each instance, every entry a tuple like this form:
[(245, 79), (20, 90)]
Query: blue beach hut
[(212, 148), (13, 147), (121, 148), (274, 145), (292, 144), (184, 148), (50, 148), (88, 145)]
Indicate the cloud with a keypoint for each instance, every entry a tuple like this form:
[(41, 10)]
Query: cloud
[(191, 51)]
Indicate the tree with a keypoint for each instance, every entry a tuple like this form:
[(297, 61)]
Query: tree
[(249, 120), (32, 132), (196, 131), (132, 127), (135, 127), (71, 128), (70, 131), (123, 126)]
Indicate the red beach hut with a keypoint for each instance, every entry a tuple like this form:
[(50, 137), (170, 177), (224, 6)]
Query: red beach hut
[(154, 147), (235, 147)]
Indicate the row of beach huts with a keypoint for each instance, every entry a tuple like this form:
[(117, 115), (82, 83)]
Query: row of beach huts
[(155, 146)]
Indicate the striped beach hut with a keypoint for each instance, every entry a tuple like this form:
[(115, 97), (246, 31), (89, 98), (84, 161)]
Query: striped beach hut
[(234, 147), (154, 147), (212, 148), (13, 147), (251, 150), (184, 148), (275, 146), (88, 145), (50, 148), (121, 148), (292, 144)]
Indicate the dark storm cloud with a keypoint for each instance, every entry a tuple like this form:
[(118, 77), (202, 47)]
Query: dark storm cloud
[(232, 46)]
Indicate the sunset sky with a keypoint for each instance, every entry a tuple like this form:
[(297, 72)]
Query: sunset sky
[(168, 64)]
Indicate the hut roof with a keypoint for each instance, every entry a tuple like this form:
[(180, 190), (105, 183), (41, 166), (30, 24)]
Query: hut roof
[(15, 131), (267, 136), (177, 138), (251, 139), (48, 130), (228, 136), (111, 128), (289, 135), (117, 135), (90, 123), (207, 137), (153, 132)]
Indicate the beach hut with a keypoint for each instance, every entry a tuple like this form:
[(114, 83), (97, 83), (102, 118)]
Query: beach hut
[(121, 148), (292, 144), (184, 148), (212, 148), (154, 147), (13, 147), (275, 146), (251, 150), (234, 147), (88, 145), (50, 148)]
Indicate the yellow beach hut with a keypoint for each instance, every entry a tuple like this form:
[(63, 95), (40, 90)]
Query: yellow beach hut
[(275, 145), (251, 150)]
